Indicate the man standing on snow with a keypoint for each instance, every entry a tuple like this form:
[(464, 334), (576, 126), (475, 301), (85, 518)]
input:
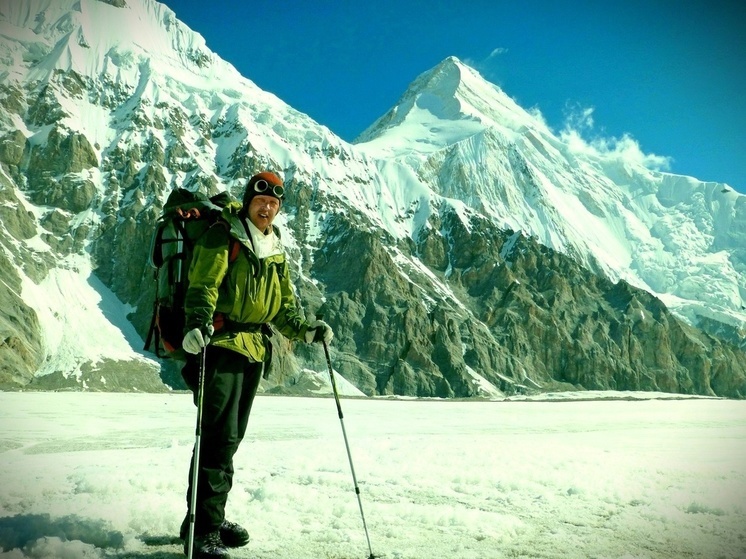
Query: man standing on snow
[(239, 283)]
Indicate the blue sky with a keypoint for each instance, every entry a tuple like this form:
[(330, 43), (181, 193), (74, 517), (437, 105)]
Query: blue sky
[(669, 73)]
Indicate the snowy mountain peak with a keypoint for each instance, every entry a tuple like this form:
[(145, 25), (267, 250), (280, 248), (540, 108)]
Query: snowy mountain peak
[(446, 104), (43, 37), (437, 91), (606, 208)]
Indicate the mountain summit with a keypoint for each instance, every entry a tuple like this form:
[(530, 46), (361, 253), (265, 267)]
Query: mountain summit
[(671, 235), (115, 38), (458, 248), (445, 105)]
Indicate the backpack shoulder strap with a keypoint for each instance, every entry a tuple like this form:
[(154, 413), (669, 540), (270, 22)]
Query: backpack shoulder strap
[(234, 247), (233, 250)]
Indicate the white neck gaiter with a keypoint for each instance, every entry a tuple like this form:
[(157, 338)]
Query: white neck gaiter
[(265, 245)]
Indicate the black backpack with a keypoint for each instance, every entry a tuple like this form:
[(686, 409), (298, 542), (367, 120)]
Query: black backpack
[(186, 216)]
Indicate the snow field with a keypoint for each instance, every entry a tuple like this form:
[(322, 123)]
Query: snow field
[(98, 475)]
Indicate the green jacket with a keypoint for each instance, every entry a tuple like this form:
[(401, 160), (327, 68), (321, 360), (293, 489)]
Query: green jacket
[(248, 292)]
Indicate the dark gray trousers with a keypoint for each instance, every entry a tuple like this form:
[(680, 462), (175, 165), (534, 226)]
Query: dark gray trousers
[(231, 382)]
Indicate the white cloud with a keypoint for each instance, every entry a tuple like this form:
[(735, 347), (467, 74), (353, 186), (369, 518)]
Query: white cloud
[(482, 65), (579, 123), (579, 118), (537, 115)]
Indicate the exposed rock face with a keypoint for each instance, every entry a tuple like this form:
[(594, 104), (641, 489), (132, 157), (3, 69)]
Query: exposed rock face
[(21, 349), (20, 341), (529, 319)]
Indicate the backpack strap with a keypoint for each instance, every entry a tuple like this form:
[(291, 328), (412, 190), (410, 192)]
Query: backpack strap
[(234, 248), (152, 331)]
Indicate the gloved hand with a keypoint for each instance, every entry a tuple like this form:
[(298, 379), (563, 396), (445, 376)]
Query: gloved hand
[(319, 331), (194, 340)]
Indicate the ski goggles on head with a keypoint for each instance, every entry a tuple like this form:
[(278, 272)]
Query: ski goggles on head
[(262, 186)]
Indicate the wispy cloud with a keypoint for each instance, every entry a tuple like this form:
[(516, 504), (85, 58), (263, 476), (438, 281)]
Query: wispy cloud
[(482, 65), (579, 125)]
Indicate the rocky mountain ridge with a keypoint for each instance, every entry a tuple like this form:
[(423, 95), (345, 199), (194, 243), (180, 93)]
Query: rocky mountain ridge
[(450, 247)]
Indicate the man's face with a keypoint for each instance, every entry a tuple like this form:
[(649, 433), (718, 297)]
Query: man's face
[(262, 211)]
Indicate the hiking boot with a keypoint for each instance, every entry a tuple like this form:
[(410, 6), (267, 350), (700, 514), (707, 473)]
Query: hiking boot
[(208, 546), (233, 535)]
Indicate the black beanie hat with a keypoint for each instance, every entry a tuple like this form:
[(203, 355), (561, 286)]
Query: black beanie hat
[(271, 179)]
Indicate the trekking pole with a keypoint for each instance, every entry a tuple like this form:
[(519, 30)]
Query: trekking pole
[(347, 446), (195, 458)]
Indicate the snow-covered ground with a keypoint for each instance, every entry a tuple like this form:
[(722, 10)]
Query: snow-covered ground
[(91, 475)]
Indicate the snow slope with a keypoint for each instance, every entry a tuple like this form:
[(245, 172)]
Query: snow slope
[(103, 476)]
